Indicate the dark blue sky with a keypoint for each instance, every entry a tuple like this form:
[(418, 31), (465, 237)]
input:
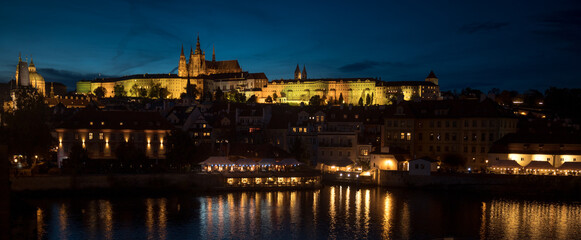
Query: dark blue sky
[(505, 44)]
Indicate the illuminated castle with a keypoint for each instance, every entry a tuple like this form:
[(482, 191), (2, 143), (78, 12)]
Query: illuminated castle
[(206, 76), (209, 76), (199, 66)]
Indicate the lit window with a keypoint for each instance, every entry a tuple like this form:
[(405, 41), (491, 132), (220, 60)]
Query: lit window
[(101, 136), (91, 123), (102, 123), (90, 136)]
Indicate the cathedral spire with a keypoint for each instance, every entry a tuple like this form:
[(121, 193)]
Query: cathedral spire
[(304, 74), (182, 54), (297, 72), (213, 53), (51, 90), (198, 50)]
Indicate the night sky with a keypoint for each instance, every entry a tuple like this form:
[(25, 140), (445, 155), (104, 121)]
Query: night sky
[(504, 44)]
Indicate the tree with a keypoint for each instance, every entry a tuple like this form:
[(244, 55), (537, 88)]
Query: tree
[(154, 90), (361, 101), (341, 98), (129, 155), (368, 100), (274, 97), (134, 91), (268, 99), (119, 90), (252, 99), (315, 100), (142, 92), (219, 95), (25, 130), (100, 92), (192, 91)]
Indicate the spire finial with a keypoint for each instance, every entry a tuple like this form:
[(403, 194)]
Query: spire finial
[(198, 50), (182, 54), (19, 57)]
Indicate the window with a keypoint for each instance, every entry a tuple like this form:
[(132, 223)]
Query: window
[(322, 153), (91, 123), (474, 137), (402, 136), (101, 136), (548, 159), (90, 136), (431, 148), (483, 137), (446, 149), (491, 137), (465, 149), (447, 136), (447, 124), (409, 136), (348, 154), (437, 148), (431, 136), (331, 153)]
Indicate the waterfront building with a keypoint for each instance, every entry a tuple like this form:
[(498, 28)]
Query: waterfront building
[(447, 129), (538, 153), (100, 133)]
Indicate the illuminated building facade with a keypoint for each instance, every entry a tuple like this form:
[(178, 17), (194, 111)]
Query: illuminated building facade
[(102, 132), (26, 75), (207, 76), (438, 129), (348, 90), (539, 152)]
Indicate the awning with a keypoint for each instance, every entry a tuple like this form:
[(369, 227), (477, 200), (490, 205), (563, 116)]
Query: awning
[(289, 162), (216, 161), (504, 164), (540, 165), (245, 161), (570, 166), (267, 161)]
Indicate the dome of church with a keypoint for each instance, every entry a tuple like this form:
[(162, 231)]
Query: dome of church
[(36, 80)]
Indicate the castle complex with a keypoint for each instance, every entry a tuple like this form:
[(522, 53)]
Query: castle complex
[(209, 76)]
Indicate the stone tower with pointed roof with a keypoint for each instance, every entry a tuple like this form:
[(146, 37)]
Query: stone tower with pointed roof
[(432, 78), (304, 74), (297, 73), (198, 65)]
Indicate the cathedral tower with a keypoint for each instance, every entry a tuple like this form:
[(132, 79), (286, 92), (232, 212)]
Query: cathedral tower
[(304, 74), (182, 67), (297, 73), (432, 78)]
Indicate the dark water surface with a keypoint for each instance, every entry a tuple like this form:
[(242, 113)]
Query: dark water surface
[(334, 212)]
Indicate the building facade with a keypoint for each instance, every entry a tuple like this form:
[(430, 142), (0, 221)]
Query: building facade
[(443, 129), (102, 132)]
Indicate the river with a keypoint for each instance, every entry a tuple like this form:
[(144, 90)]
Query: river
[(333, 212)]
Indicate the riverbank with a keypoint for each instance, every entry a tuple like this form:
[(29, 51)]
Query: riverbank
[(162, 183)]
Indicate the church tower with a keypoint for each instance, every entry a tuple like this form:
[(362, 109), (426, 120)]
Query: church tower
[(22, 76), (304, 74), (182, 67), (297, 73), (197, 65), (432, 78)]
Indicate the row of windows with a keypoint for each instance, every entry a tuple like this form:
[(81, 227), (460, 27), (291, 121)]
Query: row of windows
[(453, 124), (432, 148), (340, 153)]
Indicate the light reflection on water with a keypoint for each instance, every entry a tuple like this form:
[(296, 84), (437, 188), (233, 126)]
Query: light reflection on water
[(335, 212)]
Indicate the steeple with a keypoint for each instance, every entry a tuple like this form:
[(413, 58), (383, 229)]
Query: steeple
[(198, 50), (213, 53), (182, 66), (297, 72), (304, 74), (432, 78), (51, 90)]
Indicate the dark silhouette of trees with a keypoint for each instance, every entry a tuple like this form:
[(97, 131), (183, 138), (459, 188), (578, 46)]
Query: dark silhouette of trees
[(252, 99), (268, 99), (368, 100), (119, 90), (453, 162), (219, 95), (316, 100), (25, 130), (100, 92), (341, 98), (361, 101)]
